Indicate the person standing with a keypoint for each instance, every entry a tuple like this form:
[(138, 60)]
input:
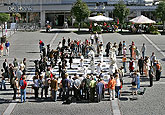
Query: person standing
[(141, 65), (143, 49), (118, 84), (107, 49), (151, 75), (99, 90), (41, 45), (120, 49), (54, 88), (5, 67), (65, 87), (1, 49), (92, 89), (86, 83), (23, 86), (158, 70), (36, 85), (124, 60), (71, 60), (92, 38), (3, 80), (15, 87), (7, 44), (76, 87), (131, 65), (63, 42), (111, 86), (152, 58)]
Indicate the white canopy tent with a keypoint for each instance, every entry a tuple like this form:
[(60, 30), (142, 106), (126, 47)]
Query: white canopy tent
[(99, 18), (142, 20)]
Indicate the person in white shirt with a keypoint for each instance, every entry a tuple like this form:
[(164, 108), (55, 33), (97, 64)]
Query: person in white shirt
[(118, 84)]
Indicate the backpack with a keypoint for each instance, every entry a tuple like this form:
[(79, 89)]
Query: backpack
[(21, 83)]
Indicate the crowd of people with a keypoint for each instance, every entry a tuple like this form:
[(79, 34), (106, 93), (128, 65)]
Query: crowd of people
[(89, 85)]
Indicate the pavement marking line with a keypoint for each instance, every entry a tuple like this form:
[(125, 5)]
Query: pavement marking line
[(55, 36), (9, 109), (159, 50), (115, 107), (114, 103)]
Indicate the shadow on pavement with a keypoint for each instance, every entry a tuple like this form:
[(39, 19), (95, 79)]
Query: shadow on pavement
[(33, 52), (123, 99)]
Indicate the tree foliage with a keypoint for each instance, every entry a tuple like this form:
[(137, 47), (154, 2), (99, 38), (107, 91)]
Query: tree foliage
[(121, 11), (160, 11), (4, 17), (80, 11)]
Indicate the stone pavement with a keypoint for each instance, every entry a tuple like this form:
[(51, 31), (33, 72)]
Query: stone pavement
[(25, 44)]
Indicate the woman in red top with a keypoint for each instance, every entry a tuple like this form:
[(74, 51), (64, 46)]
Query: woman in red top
[(1, 49)]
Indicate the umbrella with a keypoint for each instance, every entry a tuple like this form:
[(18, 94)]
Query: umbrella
[(142, 20), (100, 18)]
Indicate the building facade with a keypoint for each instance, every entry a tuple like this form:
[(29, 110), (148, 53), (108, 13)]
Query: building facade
[(57, 11)]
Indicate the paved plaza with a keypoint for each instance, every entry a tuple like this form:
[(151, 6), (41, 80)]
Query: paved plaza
[(25, 44)]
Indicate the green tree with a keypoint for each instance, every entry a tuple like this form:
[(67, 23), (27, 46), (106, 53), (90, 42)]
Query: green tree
[(80, 11), (121, 12), (160, 11), (4, 18)]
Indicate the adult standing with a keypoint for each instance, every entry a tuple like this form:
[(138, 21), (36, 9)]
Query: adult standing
[(86, 83), (152, 58), (36, 85), (124, 60), (131, 65), (76, 86), (99, 90), (120, 49), (7, 44), (71, 60), (41, 45), (15, 87), (54, 88), (3, 80), (143, 50), (92, 38), (5, 67), (141, 65), (151, 75), (107, 49), (63, 42), (92, 89), (1, 49), (111, 86), (118, 84), (23, 89), (65, 87), (158, 70)]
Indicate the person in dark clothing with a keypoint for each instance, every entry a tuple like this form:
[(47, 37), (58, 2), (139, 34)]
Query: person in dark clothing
[(65, 86), (71, 60), (63, 42), (151, 75), (120, 49), (85, 84), (107, 49), (55, 57), (5, 67), (60, 68), (11, 73), (68, 42), (141, 64)]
